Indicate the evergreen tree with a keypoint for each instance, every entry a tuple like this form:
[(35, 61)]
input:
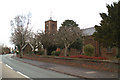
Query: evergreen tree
[(108, 32), (69, 23)]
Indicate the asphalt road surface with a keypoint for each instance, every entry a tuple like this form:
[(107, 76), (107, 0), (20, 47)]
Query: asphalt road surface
[(15, 69), (7, 72)]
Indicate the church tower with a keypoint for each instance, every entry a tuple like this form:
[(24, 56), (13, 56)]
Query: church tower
[(50, 26)]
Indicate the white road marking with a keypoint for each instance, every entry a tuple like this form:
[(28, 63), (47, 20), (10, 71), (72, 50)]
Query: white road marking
[(18, 72), (9, 66), (90, 72), (22, 74)]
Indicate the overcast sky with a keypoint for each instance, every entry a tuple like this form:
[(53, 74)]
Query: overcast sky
[(84, 12)]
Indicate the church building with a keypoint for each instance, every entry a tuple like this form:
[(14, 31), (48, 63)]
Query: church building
[(51, 28)]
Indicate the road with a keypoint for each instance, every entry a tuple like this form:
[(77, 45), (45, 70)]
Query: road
[(7, 72), (12, 68)]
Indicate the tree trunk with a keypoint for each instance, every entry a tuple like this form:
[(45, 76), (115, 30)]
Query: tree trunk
[(118, 52), (65, 54), (66, 48), (45, 53), (83, 45), (99, 50), (21, 52)]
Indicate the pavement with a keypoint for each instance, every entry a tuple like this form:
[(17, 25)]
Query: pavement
[(7, 72), (29, 71), (74, 71)]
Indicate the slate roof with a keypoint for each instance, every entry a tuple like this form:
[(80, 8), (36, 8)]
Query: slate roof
[(88, 31)]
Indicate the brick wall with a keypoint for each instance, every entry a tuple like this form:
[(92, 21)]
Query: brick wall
[(106, 53), (98, 48), (50, 27), (72, 52)]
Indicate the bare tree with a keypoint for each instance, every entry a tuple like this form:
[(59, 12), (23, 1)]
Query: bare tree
[(67, 36), (46, 40), (33, 39), (20, 32)]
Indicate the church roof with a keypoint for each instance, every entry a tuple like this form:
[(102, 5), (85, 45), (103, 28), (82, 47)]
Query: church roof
[(88, 31)]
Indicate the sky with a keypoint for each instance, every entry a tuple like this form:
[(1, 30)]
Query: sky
[(83, 12)]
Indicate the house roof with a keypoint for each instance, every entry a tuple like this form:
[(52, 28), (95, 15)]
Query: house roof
[(26, 45), (88, 31)]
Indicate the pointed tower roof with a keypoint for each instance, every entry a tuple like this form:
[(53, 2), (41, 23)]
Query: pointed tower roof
[(51, 15)]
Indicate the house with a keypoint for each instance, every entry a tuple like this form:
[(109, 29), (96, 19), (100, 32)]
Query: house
[(27, 48), (99, 50)]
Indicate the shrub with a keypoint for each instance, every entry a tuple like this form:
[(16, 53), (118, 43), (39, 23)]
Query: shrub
[(68, 54), (89, 50), (41, 52), (55, 53)]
